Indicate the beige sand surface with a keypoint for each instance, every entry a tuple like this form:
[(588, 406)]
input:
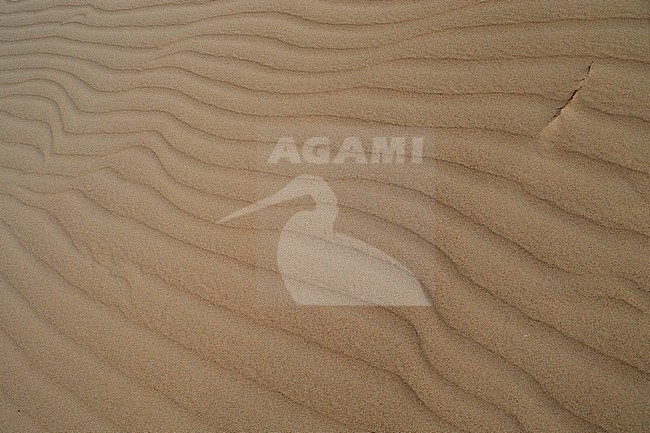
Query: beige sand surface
[(129, 129)]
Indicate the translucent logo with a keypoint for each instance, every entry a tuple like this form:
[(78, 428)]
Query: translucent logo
[(320, 266)]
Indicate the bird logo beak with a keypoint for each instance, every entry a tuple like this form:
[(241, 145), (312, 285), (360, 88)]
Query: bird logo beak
[(299, 186)]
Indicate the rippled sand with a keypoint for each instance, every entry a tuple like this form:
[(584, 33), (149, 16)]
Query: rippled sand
[(129, 129)]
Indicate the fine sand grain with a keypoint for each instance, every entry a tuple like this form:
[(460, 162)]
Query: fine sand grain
[(129, 129)]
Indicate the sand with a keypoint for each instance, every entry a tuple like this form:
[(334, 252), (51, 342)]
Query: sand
[(132, 129)]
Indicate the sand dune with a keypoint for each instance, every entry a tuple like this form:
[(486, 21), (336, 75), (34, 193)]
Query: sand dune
[(131, 128)]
